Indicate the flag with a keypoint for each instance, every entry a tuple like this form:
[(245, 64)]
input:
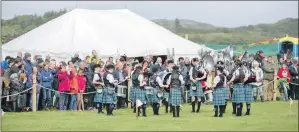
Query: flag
[(138, 103)]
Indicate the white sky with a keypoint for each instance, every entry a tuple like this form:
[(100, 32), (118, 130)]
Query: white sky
[(218, 13)]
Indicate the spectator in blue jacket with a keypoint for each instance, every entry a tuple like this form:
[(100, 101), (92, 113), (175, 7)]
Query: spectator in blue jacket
[(4, 64), (46, 82)]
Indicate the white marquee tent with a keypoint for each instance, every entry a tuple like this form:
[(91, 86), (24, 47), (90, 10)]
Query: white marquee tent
[(109, 32)]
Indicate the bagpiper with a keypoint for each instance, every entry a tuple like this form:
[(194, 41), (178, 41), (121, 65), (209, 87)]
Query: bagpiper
[(238, 97), (219, 97), (197, 74), (109, 95), (225, 86), (98, 83), (139, 93), (169, 67), (176, 82), (157, 84)]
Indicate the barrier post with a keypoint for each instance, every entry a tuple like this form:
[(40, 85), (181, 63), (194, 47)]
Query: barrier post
[(275, 85), (34, 94)]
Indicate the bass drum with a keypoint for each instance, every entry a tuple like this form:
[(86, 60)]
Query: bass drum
[(164, 76)]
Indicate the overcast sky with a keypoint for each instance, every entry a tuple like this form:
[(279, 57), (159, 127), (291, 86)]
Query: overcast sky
[(224, 13)]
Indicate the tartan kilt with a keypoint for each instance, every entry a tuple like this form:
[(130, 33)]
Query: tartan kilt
[(175, 96), (98, 98), (108, 98), (132, 95), (226, 92), (198, 92), (238, 93), (219, 96), (166, 95), (153, 97), (248, 93), (140, 94)]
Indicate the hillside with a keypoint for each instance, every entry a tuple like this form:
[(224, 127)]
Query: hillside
[(207, 33), (197, 31)]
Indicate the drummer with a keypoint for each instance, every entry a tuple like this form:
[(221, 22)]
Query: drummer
[(197, 74), (156, 83)]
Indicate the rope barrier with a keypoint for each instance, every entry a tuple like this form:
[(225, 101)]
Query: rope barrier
[(64, 92), (17, 93)]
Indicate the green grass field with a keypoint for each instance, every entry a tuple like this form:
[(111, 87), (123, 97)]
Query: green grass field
[(264, 116)]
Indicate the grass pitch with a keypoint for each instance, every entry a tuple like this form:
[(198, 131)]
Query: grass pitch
[(264, 116)]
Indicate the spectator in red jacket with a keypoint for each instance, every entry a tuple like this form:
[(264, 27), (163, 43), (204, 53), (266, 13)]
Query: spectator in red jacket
[(64, 86), (82, 87)]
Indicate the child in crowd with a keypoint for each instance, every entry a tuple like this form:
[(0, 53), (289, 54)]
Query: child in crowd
[(46, 82), (64, 86), (98, 83), (82, 87), (74, 85)]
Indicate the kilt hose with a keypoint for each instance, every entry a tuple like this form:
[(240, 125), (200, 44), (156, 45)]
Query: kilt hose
[(248, 93), (219, 96), (98, 99), (140, 94), (108, 98), (238, 93), (175, 96), (198, 92)]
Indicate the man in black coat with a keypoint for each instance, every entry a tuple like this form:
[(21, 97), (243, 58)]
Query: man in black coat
[(294, 85)]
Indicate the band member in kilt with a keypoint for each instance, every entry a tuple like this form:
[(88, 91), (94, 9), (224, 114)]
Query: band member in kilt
[(176, 82), (109, 96), (254, 82), (225, 86), (238, 97), (170, 64), (197, 74), (98, 83), (132, 89), (219, 97), (139, 93), (156, 83)]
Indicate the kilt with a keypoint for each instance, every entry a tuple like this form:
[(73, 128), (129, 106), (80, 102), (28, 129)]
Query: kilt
[(153, 98), (98, 98), (166, 95), (219, 96), (175, 96), (132, 95), (226, 92), (248, 93), (140, 94), (238, 93), (108, 98), (198, 92)]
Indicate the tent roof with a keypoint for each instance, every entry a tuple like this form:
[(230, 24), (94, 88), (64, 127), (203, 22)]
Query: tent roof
[(110, 32)]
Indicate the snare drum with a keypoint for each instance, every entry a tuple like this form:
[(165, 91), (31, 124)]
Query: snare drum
[(148, 90), (121, 91)]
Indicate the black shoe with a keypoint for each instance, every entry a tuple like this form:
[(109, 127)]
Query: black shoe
[(234, 113)]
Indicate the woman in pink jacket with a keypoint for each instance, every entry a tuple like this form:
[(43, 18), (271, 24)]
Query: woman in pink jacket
[(64, 86)]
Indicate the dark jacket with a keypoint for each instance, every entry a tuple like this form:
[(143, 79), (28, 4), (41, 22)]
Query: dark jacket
[(294, 74), (27, 67), (89, 73)]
